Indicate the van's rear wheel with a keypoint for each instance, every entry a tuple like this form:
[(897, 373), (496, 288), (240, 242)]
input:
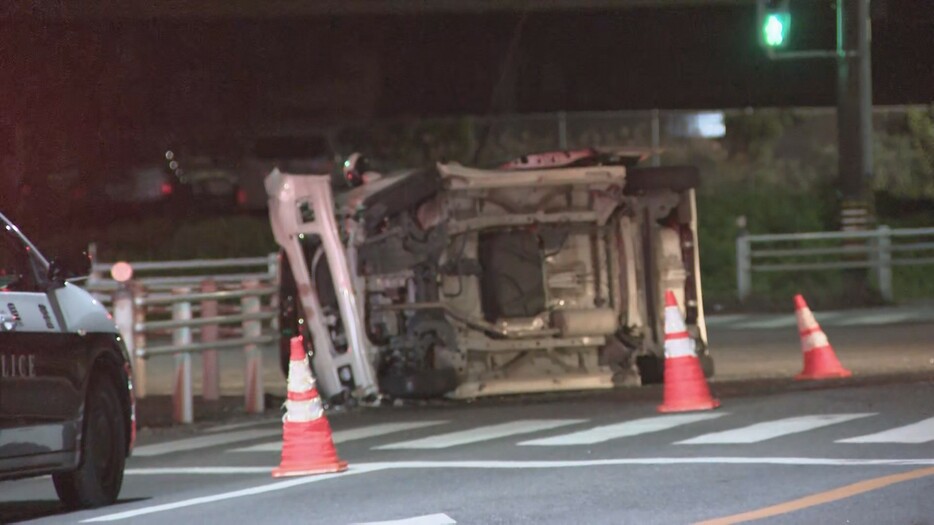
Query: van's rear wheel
[(99, 475), (652, 367)]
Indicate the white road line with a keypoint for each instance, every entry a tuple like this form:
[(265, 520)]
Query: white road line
[(920, 432), (211, 471), (875, 319), (783, 321), (184, 445), (238, 426), (621, 430), (271, 487), (343, 436), (830, 462), (771, 429), (374, 467), (433, 519), (620, 462), (474, 435)]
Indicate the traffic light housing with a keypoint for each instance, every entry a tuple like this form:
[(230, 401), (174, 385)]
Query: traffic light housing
[(774, 23)]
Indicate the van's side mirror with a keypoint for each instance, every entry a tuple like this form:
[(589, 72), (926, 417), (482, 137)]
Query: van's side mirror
[(69, 265)]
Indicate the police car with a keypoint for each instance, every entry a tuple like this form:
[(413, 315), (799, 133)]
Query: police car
[(66, 404)]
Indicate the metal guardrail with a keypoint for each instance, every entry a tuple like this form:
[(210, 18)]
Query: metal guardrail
[(165, 275), (880, 250), (225, 311)]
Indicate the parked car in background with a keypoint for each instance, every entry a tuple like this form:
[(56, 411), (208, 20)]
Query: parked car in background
[(205, 182), (66, 404), (140, 190)]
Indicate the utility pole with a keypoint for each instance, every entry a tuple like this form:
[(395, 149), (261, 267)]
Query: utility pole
[(854, 113), (854, 95)]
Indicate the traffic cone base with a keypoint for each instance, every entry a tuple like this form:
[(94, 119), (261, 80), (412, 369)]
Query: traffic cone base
[(822, 363), (307, 448), (685, 386)]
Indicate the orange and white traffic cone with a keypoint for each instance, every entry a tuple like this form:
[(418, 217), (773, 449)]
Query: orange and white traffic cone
[(307, 444), (820, 361), (685, 386)]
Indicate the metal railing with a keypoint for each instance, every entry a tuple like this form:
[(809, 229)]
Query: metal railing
[(879, 250), (186, 313), (165, 275)]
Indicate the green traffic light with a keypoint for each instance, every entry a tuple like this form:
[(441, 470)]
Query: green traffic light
[(775, 29)]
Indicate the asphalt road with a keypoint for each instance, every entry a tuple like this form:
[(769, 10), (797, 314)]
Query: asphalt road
[(860, 454)]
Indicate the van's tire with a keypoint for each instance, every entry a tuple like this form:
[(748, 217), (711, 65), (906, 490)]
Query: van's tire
[(97, 480), (706, 363), (651, 368), (421, 384), (677, 178)]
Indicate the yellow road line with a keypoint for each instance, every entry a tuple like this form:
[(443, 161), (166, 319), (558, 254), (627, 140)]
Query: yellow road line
[(821, 497)]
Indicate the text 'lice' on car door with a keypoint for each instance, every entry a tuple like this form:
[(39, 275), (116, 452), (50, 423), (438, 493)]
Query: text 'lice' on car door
[(39, 376)]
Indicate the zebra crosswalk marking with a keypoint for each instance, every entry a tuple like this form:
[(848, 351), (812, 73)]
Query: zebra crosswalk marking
[(771, 429), (624, 429), (474, 435), (206, 441), (920, 432), (351, 434)]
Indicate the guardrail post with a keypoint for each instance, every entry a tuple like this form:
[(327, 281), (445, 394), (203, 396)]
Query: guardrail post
[(95, 275), (139, 339), (562, 130), (253, 396), (272, 267), (743, 266), (182, 402), (884, 262), (210, 370)]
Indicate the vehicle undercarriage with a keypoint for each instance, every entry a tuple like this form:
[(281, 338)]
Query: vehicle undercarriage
[(542, 275)]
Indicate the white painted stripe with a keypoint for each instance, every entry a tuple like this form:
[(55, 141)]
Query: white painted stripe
[(660, 461), (920, 432), (767, 323), (835, 462), (621, 430), (271, 487), (352, 434), (248, 424), (875, 319), (771, 429), (475, 435), (211, 440), (211, 471), (374, 467), (433, 519)]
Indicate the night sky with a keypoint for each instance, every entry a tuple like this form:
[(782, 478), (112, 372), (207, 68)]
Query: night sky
[(86, 89)]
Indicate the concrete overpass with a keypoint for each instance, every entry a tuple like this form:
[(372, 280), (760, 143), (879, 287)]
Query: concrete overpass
[(289, 8)]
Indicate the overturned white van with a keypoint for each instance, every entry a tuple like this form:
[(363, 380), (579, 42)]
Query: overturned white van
[(545, 274)]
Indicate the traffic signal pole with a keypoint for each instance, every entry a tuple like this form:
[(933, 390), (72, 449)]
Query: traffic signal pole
[(854, 113), (854, 102)]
